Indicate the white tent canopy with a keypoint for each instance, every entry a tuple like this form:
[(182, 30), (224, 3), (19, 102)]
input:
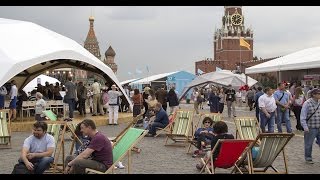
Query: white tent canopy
[(27, 50), (129, 81), (304, 59), (149, 79), (42, 79), (221, 78)]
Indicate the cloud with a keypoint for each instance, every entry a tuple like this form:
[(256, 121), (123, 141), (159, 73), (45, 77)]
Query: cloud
[(173, 38)]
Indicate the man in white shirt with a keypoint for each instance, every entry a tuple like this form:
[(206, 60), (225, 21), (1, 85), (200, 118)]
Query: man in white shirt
[(13, 103), (267, 105), (37, 149)]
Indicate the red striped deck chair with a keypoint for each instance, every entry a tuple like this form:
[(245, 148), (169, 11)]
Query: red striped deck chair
[(231, 150)]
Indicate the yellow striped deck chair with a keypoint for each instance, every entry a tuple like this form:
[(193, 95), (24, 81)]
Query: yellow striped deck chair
[(271, 145), (57, 130), (247, 128), (181, 128), (5, 131), (214, 116), (123, 148)]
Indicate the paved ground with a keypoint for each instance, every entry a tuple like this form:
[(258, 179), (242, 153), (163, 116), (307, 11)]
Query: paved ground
[(155, 158)]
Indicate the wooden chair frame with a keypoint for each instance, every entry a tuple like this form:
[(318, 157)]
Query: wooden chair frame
[(5, 129)]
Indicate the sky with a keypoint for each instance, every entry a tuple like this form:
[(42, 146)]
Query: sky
[(173, 38)]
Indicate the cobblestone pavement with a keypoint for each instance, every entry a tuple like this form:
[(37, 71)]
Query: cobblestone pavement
[(155, 158)]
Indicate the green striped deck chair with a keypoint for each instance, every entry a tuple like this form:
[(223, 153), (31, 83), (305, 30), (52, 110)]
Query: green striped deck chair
[(5, 133), (57, 130), (271, 145), (49, 114), (247, 128), (214, 116), (181, 128), (122, 148)]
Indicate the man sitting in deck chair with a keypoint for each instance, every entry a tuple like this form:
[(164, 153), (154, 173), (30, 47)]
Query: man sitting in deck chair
[(161, 120), (99, 147), (37, 149)]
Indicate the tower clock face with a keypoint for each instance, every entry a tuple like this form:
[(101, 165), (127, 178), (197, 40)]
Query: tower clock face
[(236, 19)]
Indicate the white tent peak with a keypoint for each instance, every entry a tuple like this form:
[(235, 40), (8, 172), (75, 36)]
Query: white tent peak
[(28, 49)]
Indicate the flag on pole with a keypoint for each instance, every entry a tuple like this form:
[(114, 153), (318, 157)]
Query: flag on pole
[(244, 43), (147, 68)]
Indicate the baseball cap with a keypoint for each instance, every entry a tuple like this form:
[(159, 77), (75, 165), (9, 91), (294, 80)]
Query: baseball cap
[(315, 91)]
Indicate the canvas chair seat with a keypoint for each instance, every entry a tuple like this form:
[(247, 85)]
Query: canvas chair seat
[(5, 132), (247, 128), (49, 114), (230, 152), (271, 145), (181, 128), (122, 148), (57, 130)]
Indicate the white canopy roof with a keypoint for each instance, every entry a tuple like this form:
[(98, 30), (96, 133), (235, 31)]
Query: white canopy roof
[(222, 78), (304, 59), (128, 81), (27, 50), (149, 79), (43, 78)]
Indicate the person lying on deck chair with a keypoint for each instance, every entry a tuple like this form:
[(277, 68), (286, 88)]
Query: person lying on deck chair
[(220, 129), (203, 135), (99, 147), (161, 120)]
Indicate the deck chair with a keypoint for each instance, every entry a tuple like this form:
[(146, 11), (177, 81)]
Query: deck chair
[(214, 116), (272, 144), (247, 128), (230, 152), (49, 114), (181, 128), (122, 148), (72, 127), (5, 129), (57, 130), (167, 128)]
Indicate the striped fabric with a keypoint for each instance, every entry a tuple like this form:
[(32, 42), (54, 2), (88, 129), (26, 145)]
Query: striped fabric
[(182, 122), (4, 132), (269, 149), (54, 130), (247, 127)]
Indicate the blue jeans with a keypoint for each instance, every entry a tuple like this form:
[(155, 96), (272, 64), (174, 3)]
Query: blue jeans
[(71, 103), (40, 164), (308, 142), (283, 116), (264, 121), (153, 127)]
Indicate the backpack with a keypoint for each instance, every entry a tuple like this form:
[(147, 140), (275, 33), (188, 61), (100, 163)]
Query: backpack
[(21, 168)]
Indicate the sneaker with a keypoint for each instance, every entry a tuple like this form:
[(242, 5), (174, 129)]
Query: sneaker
[(120, 165), (309, 162), (149, 135)]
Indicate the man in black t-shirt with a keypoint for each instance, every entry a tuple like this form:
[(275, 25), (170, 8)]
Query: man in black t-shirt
[(230, 99)]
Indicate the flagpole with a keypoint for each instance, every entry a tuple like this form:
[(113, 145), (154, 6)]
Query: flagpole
[(240, 60)]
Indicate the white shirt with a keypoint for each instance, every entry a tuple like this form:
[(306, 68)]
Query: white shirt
[(35, 145), (267, 102), (13, 91)]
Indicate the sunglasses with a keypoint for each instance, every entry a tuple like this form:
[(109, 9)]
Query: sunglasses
[(208, 122)]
